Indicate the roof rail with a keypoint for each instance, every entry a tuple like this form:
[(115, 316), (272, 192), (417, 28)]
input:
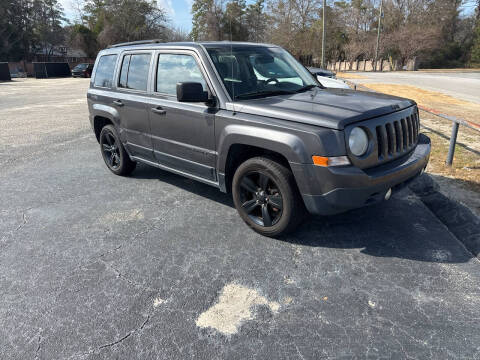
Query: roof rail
[(140, 42)]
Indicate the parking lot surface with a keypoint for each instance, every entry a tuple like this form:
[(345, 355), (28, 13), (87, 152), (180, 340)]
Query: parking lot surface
[(156, 266)]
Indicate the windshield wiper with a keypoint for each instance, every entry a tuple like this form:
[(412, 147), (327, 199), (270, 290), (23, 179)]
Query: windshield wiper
[(308, 87), (263, 93)]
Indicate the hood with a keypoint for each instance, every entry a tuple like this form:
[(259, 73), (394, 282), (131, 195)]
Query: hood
[(331, 108)]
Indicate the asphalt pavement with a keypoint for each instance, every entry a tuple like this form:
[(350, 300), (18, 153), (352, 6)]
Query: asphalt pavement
[(96, 266), (461, 85)]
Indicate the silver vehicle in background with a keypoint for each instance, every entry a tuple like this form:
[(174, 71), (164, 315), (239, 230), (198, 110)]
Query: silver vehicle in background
[(328, 78)]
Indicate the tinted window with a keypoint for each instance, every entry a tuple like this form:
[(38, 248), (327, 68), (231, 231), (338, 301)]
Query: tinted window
[(137, 74), (173, 69), (105, 67)]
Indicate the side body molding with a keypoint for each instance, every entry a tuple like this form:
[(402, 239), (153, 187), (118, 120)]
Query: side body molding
[(286, 144)]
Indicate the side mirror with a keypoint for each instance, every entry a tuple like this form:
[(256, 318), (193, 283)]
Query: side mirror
[(191, 92)]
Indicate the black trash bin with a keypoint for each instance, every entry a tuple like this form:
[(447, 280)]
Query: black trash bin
[(51, 69), (4, 72)]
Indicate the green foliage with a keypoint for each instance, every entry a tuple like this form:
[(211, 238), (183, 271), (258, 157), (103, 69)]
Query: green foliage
[(82, 37), (114, 21), (233, 20), (204, 16), (475, 51), (450, 55), (30, 26)]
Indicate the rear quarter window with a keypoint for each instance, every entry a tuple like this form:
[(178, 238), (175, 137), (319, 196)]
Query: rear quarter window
[(105, 69)]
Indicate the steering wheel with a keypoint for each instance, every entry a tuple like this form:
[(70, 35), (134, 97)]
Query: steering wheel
[(272, 79)]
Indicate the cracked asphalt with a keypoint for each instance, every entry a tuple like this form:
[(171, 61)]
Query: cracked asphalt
[(85, 256)]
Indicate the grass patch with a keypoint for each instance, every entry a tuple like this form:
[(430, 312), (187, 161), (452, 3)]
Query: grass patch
[(349, 75), (466, 164)]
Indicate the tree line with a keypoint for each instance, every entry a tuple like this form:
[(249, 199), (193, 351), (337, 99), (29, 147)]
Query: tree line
[(434, 31), (31, 27)]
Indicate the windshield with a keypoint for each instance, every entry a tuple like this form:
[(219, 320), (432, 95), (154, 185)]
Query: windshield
[(80, 67), (259, 71)]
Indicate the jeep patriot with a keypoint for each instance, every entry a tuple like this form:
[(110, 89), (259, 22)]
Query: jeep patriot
[(251, 120)]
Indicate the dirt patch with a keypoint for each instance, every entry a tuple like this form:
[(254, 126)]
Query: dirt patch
[(432, 99), (345, 75), (233, 307)]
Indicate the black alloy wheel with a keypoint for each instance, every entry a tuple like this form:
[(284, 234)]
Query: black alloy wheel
[(261, 198), (113, 152), (266, 196)]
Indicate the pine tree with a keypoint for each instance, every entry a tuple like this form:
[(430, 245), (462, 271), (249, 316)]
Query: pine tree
[(475, 51)]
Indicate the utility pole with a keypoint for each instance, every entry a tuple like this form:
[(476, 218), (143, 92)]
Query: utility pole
[(378, 33), (323, 33)]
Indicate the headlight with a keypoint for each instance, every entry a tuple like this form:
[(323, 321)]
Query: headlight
[(358, 142)]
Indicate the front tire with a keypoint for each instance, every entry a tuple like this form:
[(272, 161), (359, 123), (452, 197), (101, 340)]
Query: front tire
[(266, 197), (113, 152)]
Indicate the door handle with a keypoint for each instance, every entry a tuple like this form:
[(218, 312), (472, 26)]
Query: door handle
[(118, 102), (159, 110)]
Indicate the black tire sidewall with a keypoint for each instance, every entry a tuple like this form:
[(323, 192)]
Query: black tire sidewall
[(282, 179), (124, 159)]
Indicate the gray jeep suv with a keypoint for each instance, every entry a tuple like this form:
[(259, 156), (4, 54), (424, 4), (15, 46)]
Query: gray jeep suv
[(250, 119)]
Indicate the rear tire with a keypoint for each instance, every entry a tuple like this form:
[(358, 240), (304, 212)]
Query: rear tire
[(266, 197), (113, 152)]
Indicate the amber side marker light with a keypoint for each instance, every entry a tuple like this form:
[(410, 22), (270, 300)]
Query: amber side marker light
[(330, 161)]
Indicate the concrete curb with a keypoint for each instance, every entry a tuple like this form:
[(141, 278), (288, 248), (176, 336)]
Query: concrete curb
[(459, 219)]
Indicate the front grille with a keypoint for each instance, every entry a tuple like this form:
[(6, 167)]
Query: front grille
[(397, 137), (392, 136)]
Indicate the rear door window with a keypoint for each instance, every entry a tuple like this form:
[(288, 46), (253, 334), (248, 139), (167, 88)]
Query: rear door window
[(104, 73), (175, 68), (134, 72)]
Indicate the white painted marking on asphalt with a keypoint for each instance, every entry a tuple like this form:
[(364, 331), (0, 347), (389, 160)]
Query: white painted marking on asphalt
[(233, 308), (158, 301)]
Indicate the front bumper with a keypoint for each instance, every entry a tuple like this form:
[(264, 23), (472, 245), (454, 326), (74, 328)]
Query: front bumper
[(332, 190)]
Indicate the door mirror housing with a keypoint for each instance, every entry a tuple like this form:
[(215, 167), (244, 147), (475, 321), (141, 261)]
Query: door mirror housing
[(191, 92)]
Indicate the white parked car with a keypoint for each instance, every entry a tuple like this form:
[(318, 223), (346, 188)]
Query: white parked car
[(327, 78)]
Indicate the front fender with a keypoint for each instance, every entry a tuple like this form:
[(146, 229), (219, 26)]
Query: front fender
[(286, 144)]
